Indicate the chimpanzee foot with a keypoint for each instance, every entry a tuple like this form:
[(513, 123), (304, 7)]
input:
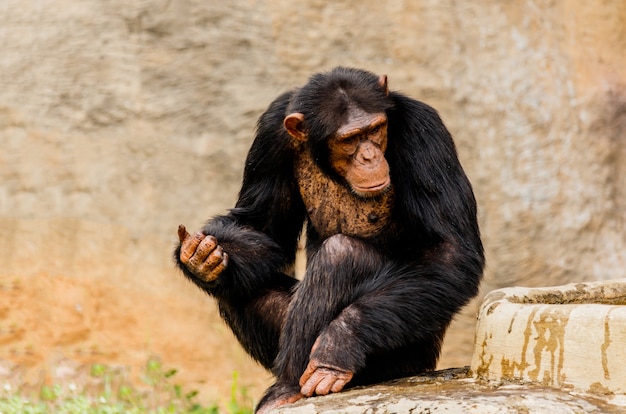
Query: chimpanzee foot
[(276, 396)]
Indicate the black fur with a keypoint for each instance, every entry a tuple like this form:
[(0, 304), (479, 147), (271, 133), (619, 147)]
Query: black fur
[(379, 306)]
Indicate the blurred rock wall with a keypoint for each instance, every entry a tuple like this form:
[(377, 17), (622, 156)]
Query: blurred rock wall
[(120, 119)]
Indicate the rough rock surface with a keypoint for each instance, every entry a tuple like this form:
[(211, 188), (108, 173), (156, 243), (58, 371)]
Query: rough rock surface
[(454, 392), (571, 337), (120, 119)]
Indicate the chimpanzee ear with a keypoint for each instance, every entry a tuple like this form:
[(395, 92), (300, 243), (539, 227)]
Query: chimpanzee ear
[(382, 81), (294, 124)]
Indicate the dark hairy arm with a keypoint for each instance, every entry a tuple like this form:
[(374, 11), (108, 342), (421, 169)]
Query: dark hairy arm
[(243, 258)]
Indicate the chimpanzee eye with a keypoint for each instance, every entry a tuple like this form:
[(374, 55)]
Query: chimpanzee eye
[(375, 135), (349, 144)]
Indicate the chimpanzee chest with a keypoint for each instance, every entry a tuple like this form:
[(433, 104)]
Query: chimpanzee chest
[(332, 208)]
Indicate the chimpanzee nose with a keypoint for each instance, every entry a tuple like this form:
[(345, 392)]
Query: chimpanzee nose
[(367, 155)]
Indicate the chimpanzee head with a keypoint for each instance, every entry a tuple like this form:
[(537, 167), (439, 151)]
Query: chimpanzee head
[(342, 117)]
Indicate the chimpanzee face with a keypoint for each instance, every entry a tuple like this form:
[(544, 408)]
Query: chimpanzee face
[(356, 150)]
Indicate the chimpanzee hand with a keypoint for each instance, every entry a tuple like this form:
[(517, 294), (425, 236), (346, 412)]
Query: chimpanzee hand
[(201, 254), (320, 378)]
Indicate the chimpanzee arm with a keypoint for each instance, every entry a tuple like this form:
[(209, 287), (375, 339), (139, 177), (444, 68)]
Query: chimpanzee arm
[(259, 237), (251, 291)]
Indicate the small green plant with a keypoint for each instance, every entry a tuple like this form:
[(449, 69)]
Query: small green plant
[(104, 389), (240, 402)]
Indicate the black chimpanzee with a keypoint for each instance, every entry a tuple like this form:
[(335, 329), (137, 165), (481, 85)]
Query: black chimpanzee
[(392, 240)]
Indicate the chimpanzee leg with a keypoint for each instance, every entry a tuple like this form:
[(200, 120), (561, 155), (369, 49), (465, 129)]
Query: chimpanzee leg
[(333, 275), (396, 322)]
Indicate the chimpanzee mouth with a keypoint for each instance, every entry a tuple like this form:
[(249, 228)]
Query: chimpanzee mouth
[(372, 191)]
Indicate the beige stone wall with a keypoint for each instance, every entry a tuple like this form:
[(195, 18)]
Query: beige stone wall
[(121, 119)]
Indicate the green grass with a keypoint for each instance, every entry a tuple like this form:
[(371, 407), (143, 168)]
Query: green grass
[(106, 390)]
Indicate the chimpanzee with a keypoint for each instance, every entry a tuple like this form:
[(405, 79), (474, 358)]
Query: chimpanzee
[(392, 240)]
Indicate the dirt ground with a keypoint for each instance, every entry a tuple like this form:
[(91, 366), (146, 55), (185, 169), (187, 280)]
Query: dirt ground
[(53, 327)]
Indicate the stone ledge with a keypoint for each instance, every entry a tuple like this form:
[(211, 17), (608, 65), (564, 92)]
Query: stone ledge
[(456, 391)]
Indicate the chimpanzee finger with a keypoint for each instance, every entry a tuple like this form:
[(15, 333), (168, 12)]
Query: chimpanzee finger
[(221, 266), (212, 263), (182, 233), (310, 369), (206, 246), (339, 384), (326, 381), (188, 247), (214, 258), (308, 387)]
